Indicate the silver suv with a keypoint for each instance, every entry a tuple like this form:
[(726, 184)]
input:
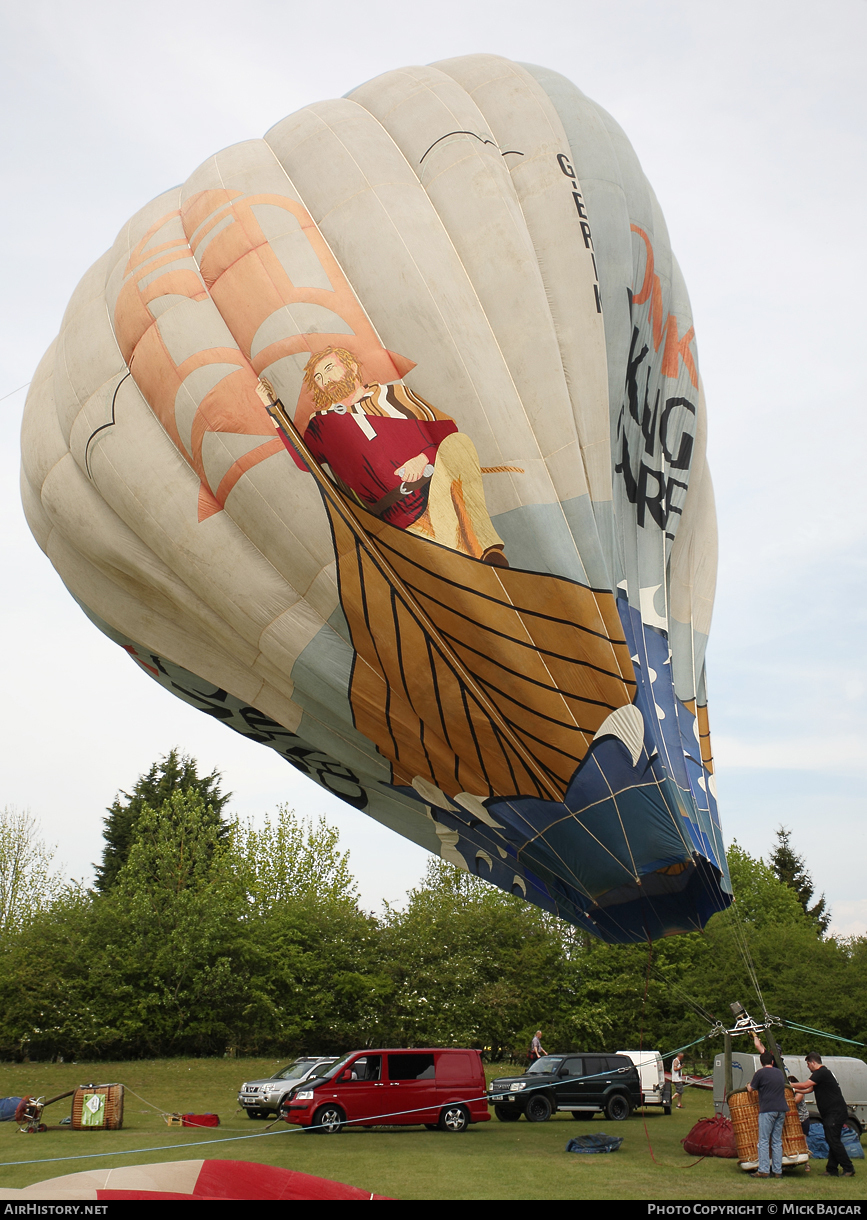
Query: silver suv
[(263, 1097)]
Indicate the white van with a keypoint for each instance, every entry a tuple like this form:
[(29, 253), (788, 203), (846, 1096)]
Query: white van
[(851, 1076), (655, 1089)]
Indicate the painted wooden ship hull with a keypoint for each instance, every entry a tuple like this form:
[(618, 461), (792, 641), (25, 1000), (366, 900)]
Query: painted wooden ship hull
[(478, 679)]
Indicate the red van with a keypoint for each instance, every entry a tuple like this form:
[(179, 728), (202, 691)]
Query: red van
[(442, 1089)]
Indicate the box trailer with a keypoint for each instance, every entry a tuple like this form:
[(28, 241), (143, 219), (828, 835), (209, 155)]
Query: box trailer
[(851, 1075)]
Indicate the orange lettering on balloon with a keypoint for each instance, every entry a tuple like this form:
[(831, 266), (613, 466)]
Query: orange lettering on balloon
[(664, 327)]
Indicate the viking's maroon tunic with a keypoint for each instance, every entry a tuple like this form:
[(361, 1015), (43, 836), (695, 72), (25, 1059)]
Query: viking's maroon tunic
[(366, 464)]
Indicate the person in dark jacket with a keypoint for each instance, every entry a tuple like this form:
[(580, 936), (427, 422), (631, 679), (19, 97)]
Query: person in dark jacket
[(770, 1084), (832, 1110)]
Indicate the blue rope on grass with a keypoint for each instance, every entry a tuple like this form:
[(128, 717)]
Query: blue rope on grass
[(89, 1156)]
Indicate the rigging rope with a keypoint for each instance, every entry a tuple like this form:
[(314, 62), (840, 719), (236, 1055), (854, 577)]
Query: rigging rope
[(821, 1033), (641, 1049), (738, 931), (15, 391), (691, 1001)]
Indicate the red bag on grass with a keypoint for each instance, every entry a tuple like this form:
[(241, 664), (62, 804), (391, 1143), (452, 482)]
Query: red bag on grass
[(711, 1137), (200, 1120)]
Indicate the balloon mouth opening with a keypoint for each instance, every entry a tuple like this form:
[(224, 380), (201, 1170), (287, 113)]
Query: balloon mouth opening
[(670, 899)]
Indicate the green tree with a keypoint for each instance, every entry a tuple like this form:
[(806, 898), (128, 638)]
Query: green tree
[(761, 899), (176, 933), (764, 943), (291, 856), (647, 992), (45, 997), (471, 965), (315, 980), (791, 869), (156, 966), (195, 948), (174, 772), (27, 882)]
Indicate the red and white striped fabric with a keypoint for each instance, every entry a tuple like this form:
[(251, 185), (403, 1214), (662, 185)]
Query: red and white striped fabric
[(190, 1180)]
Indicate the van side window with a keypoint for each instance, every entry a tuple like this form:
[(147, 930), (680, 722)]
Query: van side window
[(410, 1067), (369, 1067), (456, 1066)]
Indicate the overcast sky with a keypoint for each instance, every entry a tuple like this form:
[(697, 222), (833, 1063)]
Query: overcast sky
[(749, 120)]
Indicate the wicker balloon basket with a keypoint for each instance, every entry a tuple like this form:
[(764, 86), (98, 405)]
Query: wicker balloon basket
[(98, 1107), (744, 1109)]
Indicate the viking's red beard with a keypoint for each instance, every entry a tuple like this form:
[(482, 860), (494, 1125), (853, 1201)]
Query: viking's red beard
[(334, 391)]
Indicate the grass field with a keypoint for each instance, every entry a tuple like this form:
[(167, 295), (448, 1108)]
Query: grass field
[(490, 1161)]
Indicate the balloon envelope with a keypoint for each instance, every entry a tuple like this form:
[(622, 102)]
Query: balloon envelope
[(199, 1179), (382, 440)]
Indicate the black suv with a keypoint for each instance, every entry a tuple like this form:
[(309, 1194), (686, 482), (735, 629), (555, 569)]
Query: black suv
[(580, 1083)]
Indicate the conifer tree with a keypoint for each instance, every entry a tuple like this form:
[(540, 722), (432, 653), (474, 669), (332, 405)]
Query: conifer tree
[(791, 870), (175, 772)]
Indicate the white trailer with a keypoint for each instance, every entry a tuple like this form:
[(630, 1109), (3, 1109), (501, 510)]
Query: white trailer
[(655, 1089), (851, 1076)]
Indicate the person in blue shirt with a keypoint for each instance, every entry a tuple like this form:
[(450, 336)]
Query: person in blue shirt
[(770, 1084)]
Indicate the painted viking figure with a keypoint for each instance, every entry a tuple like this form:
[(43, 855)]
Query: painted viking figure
[(398, 457)]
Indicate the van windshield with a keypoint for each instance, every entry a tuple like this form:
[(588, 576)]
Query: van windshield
[(294, 1071), (337, 1068), (364, 1067), (545, 1066)]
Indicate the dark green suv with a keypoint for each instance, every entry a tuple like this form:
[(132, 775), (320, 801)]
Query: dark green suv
[(582, 1084)]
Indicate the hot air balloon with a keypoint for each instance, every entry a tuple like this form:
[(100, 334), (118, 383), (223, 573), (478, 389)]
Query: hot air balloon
[(382, 440)]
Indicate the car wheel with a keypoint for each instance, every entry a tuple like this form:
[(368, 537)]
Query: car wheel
[(618, 1108), (454, 1119), (506, 1114), (257, 1113), (586, 1115), (329, 1120), (538, 1109), (852, 1122)]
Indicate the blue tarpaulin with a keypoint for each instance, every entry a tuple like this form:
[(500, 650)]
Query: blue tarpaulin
[(598, 1142), (8, 1106), (819, 1148)]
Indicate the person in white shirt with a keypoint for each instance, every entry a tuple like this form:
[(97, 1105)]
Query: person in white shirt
[(677, 1078)]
